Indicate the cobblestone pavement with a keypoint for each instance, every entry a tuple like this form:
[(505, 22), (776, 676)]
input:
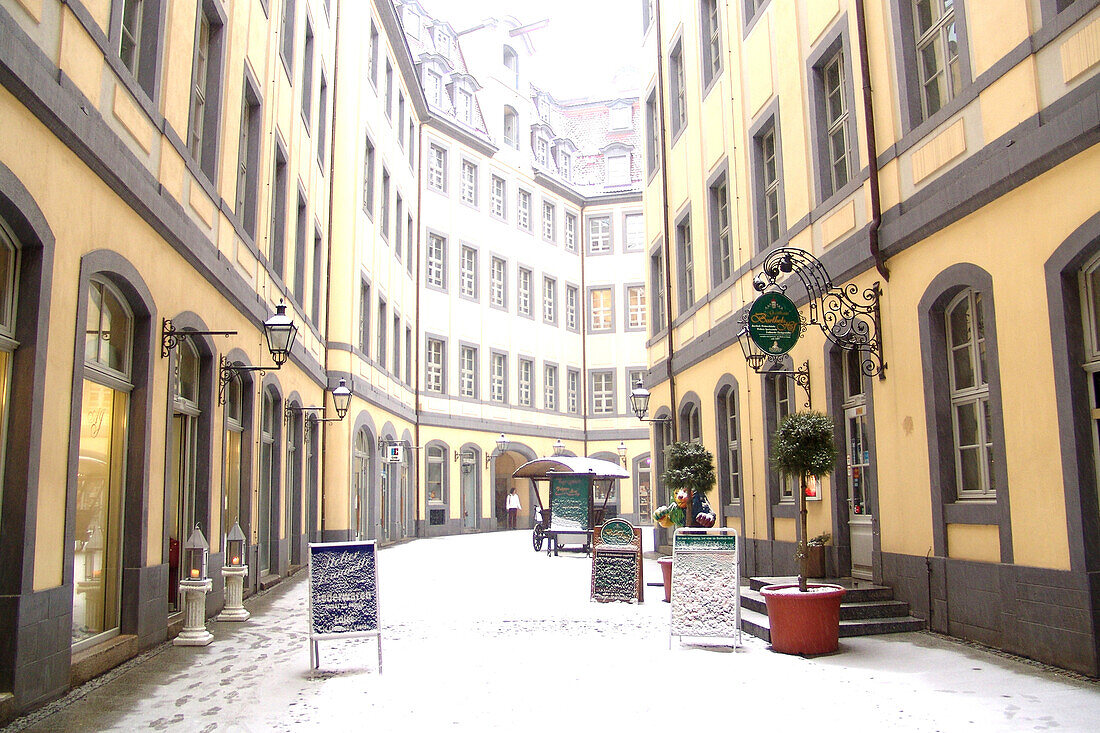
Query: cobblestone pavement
[(482, 634)]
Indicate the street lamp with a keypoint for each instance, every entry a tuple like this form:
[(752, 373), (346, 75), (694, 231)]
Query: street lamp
[(502, 445), (341, 400), (622, 452), (639, 403), (559, 448), (754, 355), (280, 331)]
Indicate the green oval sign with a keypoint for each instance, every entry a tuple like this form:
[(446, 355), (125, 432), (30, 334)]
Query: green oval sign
[(774, 323)]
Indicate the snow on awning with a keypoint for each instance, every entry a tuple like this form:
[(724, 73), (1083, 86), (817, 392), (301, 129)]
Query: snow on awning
[(540, 468)]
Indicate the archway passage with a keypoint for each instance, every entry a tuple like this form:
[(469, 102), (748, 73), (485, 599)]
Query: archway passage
[(504, 466)]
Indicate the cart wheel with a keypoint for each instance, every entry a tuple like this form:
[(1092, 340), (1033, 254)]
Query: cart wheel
[(537, 538)]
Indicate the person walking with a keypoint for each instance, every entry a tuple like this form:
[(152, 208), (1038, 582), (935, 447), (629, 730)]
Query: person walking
[(513, 508)]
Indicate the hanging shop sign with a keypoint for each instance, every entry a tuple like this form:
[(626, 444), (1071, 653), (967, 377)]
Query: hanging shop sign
[(395, 453), (343, 594), (706, 585), (774, 324)]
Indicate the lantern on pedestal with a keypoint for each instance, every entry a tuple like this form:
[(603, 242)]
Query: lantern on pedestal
[(194, 586), (234, 573)]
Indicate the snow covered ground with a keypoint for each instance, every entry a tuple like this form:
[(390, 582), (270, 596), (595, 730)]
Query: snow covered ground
[(482, 634)]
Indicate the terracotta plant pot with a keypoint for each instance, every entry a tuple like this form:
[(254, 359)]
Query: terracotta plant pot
[(804, 623), (666, 575)]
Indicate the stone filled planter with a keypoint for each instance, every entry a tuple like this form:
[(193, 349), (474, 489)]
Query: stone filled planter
[(804, 623)]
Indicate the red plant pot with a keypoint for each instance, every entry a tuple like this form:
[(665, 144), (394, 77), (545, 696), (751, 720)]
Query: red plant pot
[(666, 574), (804, 623)]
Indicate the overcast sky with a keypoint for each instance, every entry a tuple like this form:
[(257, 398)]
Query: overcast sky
[(587, 44)]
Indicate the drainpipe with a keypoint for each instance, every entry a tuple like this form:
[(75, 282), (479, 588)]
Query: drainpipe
[(416, 333), (872, 148), (582, 316)]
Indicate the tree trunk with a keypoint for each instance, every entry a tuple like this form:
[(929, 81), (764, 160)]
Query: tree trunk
[(804, 560)]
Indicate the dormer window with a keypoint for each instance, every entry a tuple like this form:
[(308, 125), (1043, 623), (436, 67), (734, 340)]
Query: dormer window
[(542, 151), (618, 169), (620, 118), (433, 87), (443, 42), (464, 105), (511, 63), (411, 22), (511, 128), (565, 166)]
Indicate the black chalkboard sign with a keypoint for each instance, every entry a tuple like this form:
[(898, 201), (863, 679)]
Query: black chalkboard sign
[(343, 594), (571, 502)]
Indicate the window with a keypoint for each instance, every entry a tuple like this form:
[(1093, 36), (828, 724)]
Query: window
[(619, 118), (686, 264), (542, 151), (721, 258), (634, 226), (565, 167), (729, 448), (401, 120), (571, 297), (206, 93), (307, 74), (433, 87), (464, 104), (526, 367), (498, 386), (635, 307), (511, 64), (408, 354), (970, 410), (436, 261), (657, 287), (389, 89), (548, 232), (678, 91), (499, 195), (570, 232), (412, 143), (380, 354), (277, 243), (549, 300), (572, 389), (467, 275), (550, 387), (286, 34), (139, 41), (498, 274), (752, 7), (397, 347), (691, 427), (618, 169), (469, 183), (364, 317), (523, 293), (511, 128), (372, 59), (437, 168), (322, 121), (523, 213), (437, 464), (318, 265), (300, 251), (410, 237), (385, 208), (653, 133), (248, 159), (937, 54), (467, 371), (398, 206), (435, 365), (833, 135), (711, 41), (368, 178), (603, 393), (647, 14), (599, 309), (599, 234), (780, 406), (768, 186)]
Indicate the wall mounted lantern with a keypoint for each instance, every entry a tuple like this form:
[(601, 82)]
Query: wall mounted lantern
[(639, 403), (622, 452), (280, 331), (559, 448), (341, 400), (502, 445)]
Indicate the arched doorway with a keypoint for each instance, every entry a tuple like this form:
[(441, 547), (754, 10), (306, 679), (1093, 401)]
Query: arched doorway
[(503, 466), (362, 460)]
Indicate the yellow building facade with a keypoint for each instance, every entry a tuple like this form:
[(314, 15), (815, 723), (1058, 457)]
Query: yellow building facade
[(944, 154)]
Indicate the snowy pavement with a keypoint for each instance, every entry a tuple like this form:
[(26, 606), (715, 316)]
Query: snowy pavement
[(482, 634)]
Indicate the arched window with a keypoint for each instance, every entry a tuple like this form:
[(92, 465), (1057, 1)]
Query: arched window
[(691, 430), (729, 447), (436, 476), (184, 463), (970, 414), (360, 516), (102, 454), (294, 463), (511, 128), (9, 263), (268, 534), (233, 463), (511, 63)]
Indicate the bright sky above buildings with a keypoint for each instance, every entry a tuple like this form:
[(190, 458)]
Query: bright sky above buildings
[(590, 48)]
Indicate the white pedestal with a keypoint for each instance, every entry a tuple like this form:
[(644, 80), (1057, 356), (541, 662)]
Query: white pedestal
[(194, 608), (234, 610)]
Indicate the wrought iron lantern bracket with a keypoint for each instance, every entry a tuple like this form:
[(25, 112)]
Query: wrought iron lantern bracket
[(170, 336)]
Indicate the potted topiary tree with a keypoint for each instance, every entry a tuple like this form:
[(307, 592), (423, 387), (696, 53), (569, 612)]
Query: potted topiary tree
[(804, 618), (689, 475)]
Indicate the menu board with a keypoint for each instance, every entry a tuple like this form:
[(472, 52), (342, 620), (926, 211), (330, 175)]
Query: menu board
[(570, 502), (343, 593)]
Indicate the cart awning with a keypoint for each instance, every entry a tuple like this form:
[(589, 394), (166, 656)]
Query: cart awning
[(541, 468)]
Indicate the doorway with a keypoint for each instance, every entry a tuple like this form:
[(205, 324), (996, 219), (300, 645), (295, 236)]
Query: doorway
[(471, 507), (857, 460)]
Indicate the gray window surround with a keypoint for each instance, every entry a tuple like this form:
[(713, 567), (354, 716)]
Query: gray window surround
[(465, 347), (252, 117), (577, 307), (947, 508), (443, 341), (686, 291), (652, 131), (551, 367), (677, 78), (433, 147), (553, 221), (627, 328), (398, 210), (718, 179), (520, 270), (475, 201), (573, 397), (411, 242), (503, 305), (388, 100), (277, 235), (368, 176), (493, 179), (690, 418), (307, 71), (318, 267), (647, 16), (494, 354), (462, 250), (300, 236), (384, 206), (832, 42), (520, 193), (588, 219), (442, 260), (1069, 14), (443, 452), (588, 308), (365, 304), (592, 373), (709, 73), (408, 354), (626, 239), (529, 383), (150, 58), (658, 319), (752, 10), (777, 505), (372, 59), (383, 326), (400, 118), (725, 391), (905, 50), (550, 297), (286, 40), (767, 121), (573, 217), (396, 341), (322, 121), (208, 156)]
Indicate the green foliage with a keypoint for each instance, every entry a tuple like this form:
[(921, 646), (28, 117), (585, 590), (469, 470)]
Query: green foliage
[(688, 466), (821, 540), (803, 445)]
